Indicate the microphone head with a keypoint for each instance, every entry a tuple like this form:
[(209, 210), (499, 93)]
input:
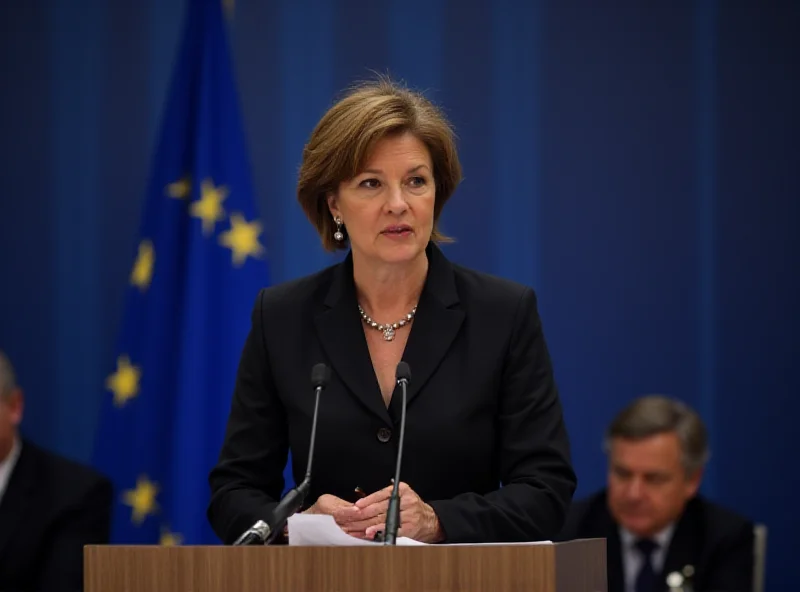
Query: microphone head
[(320, 375), (403, 371)]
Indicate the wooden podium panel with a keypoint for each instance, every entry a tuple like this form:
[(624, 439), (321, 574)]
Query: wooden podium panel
[(575, 566)]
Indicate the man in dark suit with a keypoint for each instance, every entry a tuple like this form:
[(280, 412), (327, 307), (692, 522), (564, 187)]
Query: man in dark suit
[(50, 507), (661, 535)]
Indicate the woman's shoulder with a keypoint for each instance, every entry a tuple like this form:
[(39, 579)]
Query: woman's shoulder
[(297, 293), (496, 305), (479, 287)]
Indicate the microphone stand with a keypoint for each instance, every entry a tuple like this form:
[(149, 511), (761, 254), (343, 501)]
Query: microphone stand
[(263, 533), (255, 535), (293, 500), (393, 513)]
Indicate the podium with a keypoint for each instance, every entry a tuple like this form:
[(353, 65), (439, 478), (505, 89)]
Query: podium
[(574, 566)]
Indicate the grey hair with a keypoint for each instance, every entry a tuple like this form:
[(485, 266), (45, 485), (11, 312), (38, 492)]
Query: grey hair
[(8, 382), (657, 414)]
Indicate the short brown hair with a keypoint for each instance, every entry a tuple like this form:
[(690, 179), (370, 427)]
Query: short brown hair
[(343, 139), (656, 414)]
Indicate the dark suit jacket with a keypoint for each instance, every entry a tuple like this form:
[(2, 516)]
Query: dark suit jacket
[(715, 541), (483, 407), (51, 508)]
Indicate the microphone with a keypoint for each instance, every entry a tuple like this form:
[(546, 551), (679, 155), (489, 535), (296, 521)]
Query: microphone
[(261, 533), (393, 513), (293, 501), (255, 535)]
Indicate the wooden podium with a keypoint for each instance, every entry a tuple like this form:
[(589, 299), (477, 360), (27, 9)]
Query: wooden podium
[(575, 566)]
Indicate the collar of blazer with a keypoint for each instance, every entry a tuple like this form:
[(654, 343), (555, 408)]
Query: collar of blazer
[(435, 326), (687, 540), (17, 497), (683, 549)]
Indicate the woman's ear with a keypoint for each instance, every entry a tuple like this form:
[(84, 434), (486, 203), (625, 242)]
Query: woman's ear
[(332, 204)]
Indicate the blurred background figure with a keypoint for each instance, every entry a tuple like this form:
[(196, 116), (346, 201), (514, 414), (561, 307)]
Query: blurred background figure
[(651, 514), (50, 507)]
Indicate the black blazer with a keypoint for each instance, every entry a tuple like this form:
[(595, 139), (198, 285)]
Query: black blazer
[(716, 542), (51, 508), (483, 407)]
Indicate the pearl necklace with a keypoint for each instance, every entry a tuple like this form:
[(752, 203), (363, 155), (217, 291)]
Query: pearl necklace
[(390, 328)]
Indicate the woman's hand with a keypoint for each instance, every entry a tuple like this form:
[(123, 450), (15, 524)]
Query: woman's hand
[(418, 521), (328, 504)]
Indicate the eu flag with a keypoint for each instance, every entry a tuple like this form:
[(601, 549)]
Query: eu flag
[(196, 271)]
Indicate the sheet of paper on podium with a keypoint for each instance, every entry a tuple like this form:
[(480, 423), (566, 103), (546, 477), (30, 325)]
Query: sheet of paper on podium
[(320, 530)]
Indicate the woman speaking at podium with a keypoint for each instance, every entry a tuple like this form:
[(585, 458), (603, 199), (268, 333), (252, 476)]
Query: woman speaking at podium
[(486, 453)]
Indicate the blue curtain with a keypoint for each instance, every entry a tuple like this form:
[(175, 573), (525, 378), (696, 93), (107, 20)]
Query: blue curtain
[(636, 163)]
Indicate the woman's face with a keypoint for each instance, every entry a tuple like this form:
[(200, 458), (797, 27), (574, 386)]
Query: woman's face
[(388, 207)]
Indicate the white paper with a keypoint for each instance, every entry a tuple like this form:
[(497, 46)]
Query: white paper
[(322, 530)]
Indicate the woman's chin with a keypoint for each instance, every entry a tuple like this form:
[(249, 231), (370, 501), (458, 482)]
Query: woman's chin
[(392, 252), (400, 253)]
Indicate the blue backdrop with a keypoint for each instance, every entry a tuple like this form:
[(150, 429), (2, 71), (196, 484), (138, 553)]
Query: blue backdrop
[(636, 163)]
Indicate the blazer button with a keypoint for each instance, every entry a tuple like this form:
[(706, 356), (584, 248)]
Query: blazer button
[(384, 434)]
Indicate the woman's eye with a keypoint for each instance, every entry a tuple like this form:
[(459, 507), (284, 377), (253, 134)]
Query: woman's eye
[(417, 181), (370, 183)]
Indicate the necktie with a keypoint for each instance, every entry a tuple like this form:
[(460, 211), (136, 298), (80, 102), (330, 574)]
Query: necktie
[(646, 579)]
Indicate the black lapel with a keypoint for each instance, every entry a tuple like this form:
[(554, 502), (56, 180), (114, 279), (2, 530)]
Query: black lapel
[(342, 337), (435, 326), (17, 496), (685, 541)]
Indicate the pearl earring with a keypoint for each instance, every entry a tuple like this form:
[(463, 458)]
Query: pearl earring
[(338, 235)]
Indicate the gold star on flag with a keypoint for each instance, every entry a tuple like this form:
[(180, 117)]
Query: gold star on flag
[(179, 189), (170, 539), (242, 239), (209, 207), (142, 500), (124, 383), (142, 272)]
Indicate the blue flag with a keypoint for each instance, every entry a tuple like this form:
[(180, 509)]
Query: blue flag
[(196, 272)]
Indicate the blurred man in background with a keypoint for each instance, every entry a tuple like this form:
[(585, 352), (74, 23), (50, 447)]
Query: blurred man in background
[(50, 507), (657, 527)]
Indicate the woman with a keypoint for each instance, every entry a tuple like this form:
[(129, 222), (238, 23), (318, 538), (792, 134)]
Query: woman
[(483, 408)]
